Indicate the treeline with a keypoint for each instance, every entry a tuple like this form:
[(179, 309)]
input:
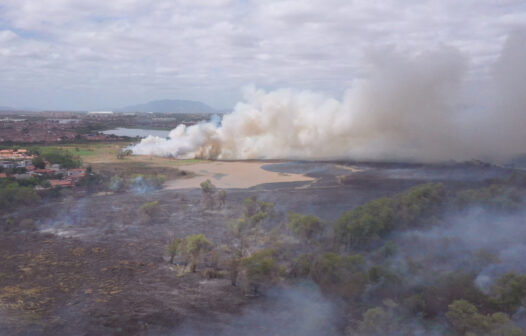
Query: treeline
[(356, 259)]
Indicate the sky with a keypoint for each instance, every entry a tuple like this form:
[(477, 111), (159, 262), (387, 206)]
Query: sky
[(100, 54)]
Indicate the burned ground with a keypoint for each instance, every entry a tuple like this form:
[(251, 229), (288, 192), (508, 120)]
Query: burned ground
[(97, 265)]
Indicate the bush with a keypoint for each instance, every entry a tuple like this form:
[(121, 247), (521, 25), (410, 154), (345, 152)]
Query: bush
[(150, 208), (208, 187), (38, 162), (306, 227), (341, 275), (465, 319), (259, 268), (207, 190), (378, 322), (196, 245), (365, 224), (177, 246), (357, 228), (509, 290), (301, 267), (255, 212)]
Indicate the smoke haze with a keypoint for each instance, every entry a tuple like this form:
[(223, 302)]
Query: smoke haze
[(415, 108)]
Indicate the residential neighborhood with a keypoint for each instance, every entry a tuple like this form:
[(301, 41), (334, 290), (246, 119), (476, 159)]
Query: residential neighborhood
[(20, 164)]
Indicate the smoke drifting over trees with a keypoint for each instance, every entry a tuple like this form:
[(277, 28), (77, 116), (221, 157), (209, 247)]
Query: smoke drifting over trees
[(426, 108)]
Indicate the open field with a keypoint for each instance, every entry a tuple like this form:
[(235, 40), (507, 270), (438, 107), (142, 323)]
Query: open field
[(103, 157), (106, 152), (224, 174)]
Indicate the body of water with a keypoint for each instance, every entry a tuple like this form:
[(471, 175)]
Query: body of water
[(137, 132)]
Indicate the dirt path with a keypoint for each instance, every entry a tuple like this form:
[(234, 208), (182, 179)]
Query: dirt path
[(232, 174)]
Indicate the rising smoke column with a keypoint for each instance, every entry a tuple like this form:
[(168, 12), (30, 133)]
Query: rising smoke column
[(407, 109)]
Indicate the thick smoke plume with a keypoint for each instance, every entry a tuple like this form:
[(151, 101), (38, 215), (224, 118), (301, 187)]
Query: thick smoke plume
[(425, 108)]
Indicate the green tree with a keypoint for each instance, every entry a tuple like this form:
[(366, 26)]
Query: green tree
[(306, 227), (378, 322), (342, 275), (207, 191), (259, 268), (255, 212), (38, 162), (177, 246), (465, 319), (509, 290), (196, 245), (357, 228), (375, 219), (60, 156)]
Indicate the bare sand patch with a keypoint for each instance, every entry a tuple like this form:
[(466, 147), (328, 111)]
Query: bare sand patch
[(232, 174)]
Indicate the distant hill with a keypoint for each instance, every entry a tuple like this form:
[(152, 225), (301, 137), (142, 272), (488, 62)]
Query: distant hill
[(169, 106)]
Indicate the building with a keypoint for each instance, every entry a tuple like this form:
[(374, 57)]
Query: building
[(61, 183), (76, 172)]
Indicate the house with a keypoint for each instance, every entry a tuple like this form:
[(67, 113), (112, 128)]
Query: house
[(8, 164), (61, 183), (10, 154), (44, 171), (76, 172)]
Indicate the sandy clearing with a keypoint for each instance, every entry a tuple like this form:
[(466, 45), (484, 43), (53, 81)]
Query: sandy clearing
[(232, 174)]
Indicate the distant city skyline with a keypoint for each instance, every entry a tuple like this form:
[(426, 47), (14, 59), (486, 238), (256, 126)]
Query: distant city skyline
[(96, 55)]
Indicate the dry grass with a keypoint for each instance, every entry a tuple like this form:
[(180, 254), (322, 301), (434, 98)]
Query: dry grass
[(104, 155)]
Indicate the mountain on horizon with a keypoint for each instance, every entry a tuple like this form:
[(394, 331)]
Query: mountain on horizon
[(169, 106)]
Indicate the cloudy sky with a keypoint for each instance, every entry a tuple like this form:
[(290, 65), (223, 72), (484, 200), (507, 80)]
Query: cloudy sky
[(91, 54)]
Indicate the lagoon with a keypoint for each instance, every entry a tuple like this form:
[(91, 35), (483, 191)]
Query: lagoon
[(137, 132)]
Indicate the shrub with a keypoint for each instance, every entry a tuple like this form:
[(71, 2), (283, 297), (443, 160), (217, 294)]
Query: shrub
[(38, 162), (196, 245), (509, 290), (341, 275), (465, 319), (367, 223), (177, 246), (259, 268), (378, 322), (151, 208), (306, 227)]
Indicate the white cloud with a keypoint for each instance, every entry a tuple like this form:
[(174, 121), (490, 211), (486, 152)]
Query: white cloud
[(118, 52)]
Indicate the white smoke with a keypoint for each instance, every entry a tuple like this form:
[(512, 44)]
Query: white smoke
[(408, 108)]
